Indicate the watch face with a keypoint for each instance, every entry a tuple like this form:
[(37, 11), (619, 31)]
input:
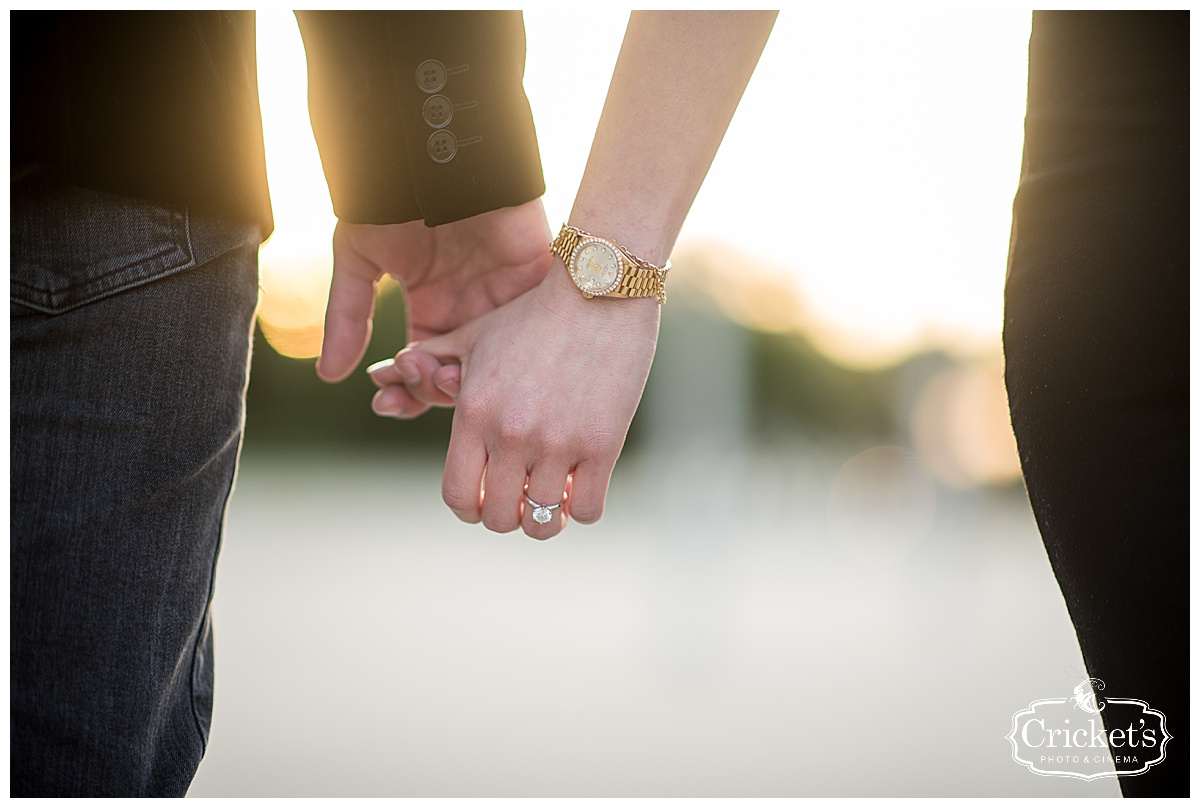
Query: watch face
[(596, 267)]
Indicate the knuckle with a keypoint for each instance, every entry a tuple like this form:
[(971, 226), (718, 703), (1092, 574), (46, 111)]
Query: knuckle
[(557, 444), (587, 513), (498, 524), (459, 499), (513, 431), (472, 409), (601, 443)]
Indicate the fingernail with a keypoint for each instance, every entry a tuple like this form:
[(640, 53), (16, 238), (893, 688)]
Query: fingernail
[(382, 413), (408, 372), (380, 365), (378, 408)]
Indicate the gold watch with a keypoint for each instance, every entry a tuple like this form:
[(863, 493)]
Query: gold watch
[(601, 268)]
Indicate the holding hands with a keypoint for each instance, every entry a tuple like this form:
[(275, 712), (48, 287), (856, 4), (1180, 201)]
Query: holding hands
[(450, 274), (545, 380), (546, 387)]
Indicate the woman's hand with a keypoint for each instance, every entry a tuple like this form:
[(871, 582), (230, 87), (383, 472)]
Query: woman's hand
[(550, 382), (546, 388)]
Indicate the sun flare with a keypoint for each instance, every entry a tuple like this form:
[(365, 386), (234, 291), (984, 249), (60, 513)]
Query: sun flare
[(873, 159)]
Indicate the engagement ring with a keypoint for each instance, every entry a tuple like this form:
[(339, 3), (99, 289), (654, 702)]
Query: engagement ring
[(543, 513)]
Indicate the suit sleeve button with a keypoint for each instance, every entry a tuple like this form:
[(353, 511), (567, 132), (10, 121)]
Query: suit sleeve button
[(437, 111), (442, 146), (431, 76)]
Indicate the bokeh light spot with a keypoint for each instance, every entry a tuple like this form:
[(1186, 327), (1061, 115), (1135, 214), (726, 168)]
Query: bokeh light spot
[(882, 504), (961, 426)]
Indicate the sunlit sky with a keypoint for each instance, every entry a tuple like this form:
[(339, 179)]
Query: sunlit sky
[(872, 163)]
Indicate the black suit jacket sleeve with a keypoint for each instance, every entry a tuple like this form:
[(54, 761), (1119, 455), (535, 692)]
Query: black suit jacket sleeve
[(157, 105), (374, 116)]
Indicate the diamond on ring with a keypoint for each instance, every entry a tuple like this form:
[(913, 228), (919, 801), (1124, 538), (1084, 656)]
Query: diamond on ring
[(543, 513)]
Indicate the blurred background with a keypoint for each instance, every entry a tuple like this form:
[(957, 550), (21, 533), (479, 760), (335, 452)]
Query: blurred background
[(818, 573)]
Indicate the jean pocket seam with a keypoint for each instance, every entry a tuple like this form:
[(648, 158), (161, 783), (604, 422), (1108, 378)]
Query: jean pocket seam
[(59, 301), (59, 265)]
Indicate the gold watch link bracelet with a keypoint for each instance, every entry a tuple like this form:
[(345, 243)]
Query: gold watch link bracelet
[(602, 268)]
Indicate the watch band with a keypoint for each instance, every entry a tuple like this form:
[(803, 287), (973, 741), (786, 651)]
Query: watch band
[(639, 278)]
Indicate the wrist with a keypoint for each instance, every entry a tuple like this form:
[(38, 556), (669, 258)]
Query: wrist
[(647, 240)]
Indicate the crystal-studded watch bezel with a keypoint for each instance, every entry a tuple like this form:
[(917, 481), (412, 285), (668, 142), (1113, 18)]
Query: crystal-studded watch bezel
[(572, 266)]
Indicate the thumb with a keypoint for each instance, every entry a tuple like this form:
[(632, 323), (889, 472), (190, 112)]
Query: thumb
[(348, 313)]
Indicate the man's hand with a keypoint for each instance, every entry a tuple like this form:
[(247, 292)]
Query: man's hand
[(549, 385), (450, 275)]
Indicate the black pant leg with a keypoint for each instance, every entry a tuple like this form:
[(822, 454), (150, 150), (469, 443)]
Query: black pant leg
[(1096, 342)]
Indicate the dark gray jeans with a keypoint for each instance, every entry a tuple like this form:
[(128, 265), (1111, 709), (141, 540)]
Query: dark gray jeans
[(130, 330)]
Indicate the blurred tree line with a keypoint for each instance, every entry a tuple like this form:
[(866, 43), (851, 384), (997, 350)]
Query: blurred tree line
[(287, 404)]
